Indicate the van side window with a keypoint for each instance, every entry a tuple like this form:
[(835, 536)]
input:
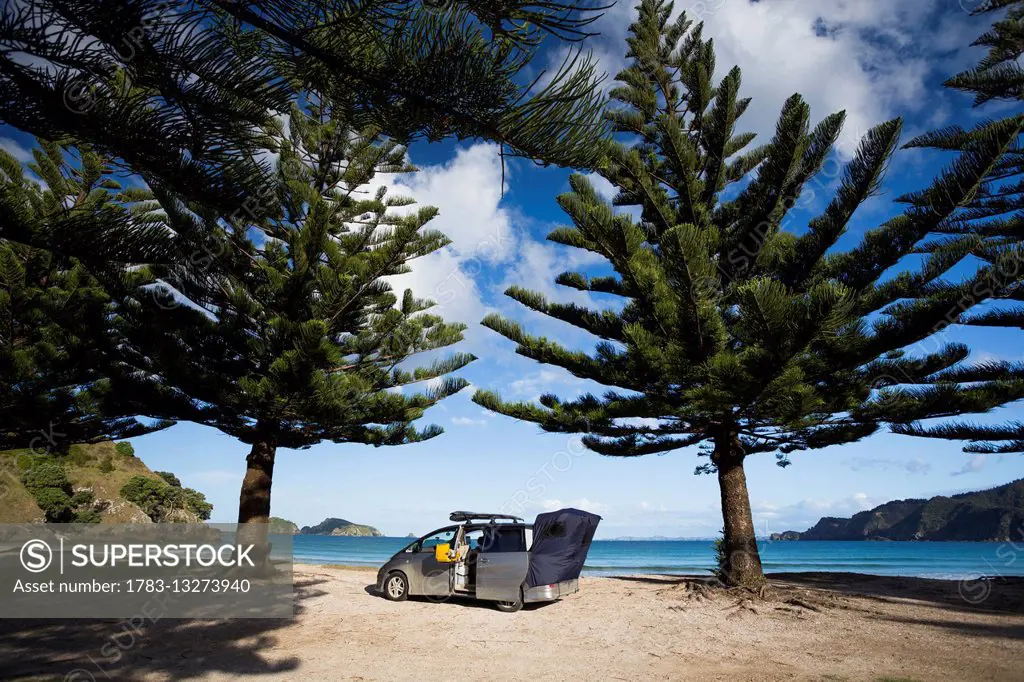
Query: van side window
[(503, 539), (428, 543)]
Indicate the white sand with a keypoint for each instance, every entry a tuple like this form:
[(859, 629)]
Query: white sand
[(649, 628)]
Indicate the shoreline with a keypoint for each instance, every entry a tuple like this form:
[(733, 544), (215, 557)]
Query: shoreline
[(970, 577), (967, 591)]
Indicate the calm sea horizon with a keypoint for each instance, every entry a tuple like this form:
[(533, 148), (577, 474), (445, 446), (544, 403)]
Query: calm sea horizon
[(945, 560)]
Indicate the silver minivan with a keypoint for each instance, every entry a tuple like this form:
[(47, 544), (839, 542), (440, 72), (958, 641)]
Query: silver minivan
[(494, 557)]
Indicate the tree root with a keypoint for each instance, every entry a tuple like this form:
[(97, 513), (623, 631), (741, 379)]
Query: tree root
[(746, 599), (804, 605)]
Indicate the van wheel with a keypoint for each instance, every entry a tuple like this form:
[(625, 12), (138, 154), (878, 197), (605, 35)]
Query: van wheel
[(510, 606), (396, 587)]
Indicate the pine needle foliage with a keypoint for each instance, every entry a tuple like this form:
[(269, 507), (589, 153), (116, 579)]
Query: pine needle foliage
[(285, 331), (993, 218), (147, 84), (442, 68), (732, 332), (991, 227), (999, 75), (179, 90), (54, 314)]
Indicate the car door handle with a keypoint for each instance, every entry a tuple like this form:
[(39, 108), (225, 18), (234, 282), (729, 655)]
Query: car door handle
[(485, 561)]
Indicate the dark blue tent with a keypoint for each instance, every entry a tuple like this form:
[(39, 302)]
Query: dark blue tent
[(561, 540)]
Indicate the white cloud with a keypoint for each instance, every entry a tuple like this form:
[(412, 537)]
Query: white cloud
[(602, 185), (487, 237), (972, 466), (917, 466), (19, 152), (466, 421), (647, 422), (537, 265), (583, 503), (659, 519), (912, 466), (772, 518), (863, 56), (467, 192), (533, 385)]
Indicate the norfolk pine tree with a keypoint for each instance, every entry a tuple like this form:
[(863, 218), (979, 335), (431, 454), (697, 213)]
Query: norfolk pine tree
[(735, 334), (55, 342), (995, 219), (289, 333)]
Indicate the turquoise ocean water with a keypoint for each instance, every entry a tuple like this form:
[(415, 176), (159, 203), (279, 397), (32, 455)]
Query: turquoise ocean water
[(948, 560)]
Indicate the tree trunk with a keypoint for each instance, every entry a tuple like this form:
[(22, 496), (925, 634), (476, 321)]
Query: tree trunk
[(254, 501), (742, 562)]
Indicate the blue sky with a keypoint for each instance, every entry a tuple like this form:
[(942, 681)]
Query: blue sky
[(874, 58)]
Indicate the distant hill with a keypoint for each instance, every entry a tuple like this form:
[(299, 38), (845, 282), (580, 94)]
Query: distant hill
[(993, 514), (101, 483), (333, 526)]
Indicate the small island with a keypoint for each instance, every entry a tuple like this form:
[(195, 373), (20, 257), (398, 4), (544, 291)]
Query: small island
[(279, 526), (340, 527)]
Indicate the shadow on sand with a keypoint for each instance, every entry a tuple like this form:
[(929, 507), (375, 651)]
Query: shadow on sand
[(83, 650), (466, 602), (953, 599), (1000, 595)]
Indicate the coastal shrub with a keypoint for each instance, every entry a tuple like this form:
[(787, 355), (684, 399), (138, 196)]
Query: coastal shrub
[(158, 498), (196, 503), (188, 499), (45, 475), (148, 494), (125, 449), (169, 478), (107, 464), (55, 504), (721, 557), (89, 515), (47, 482)]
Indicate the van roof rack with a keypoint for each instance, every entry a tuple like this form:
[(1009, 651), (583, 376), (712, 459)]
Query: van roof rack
[(462, 516)]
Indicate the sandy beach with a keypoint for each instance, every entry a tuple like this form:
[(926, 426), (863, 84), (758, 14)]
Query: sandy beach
[(818, 627)]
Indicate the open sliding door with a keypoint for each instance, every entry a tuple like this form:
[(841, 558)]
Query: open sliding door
[(502, 563)]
